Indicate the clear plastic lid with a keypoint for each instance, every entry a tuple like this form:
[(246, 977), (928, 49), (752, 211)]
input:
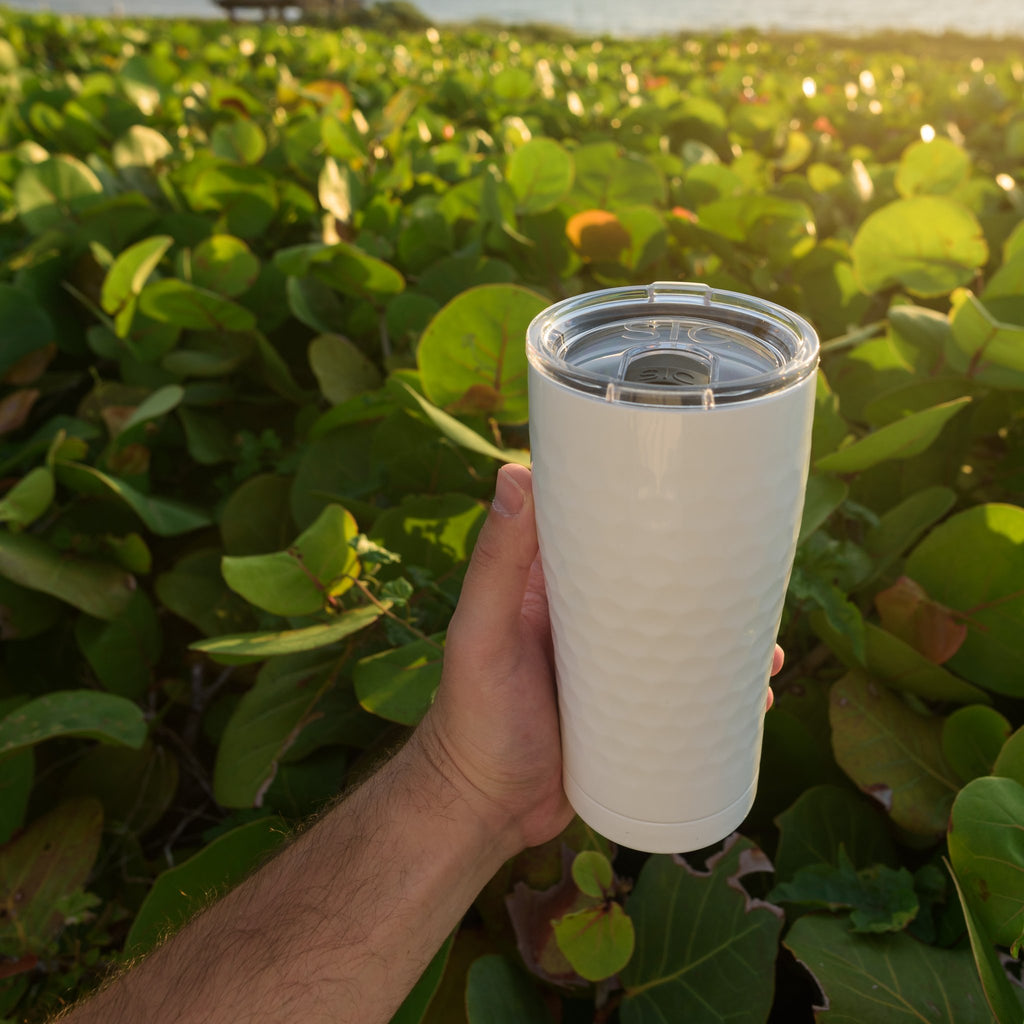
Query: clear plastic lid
[(672, 343)]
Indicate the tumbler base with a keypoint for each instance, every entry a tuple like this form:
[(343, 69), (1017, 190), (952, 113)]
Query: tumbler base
[(655, 836)]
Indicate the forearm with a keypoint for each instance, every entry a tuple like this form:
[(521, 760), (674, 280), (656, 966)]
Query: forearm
[(339, 926)]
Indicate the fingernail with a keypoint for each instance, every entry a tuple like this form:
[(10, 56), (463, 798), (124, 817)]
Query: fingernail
[(509, 497)]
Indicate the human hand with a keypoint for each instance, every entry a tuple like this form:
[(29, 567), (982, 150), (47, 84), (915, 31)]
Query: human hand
[(493, 728)]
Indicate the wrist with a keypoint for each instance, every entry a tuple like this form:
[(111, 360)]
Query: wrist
[(464, 798)]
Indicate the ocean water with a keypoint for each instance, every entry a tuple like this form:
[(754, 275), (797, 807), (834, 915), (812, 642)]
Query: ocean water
[(646, 17)]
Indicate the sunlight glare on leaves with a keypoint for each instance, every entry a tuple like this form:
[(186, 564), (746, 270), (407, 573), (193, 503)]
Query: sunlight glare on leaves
[(809, 87), (927, 133)]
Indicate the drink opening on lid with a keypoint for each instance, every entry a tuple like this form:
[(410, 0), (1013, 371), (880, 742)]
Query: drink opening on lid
[(672, 344)]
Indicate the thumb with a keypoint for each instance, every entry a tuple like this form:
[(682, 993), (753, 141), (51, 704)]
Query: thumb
[(491, 602)]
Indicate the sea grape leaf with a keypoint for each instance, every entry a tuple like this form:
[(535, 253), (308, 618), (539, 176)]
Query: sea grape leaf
[(245, 197), (42, 870), (85, 713), (892, 753), (255, 519), (240, 140), (541, 174), (891, 979), (900, 440), (256, 646), (985, 339), (123, 651), (98, 588), (1010, 762), (597, 941), (972, 739), (400, 684), (27, 326), (318, 566), (904, 524), (166, 517), (938, 167), (613, 176), (705, 948), (825, 819), (823, 496), (29, 498), (1007, 1002), (51, 193), (928, 245), (287, 697), (25, 613), (599, 236), (907, 611), (459, 433), (194, 589), (180, 891), (880, 898), (592, 873), (171, 301), (973, 563), (211, 353), (17, 774), (499, 992), (127, 277), (986, 847), (898, 665), (472, 356), (225, 265), (158, 403), (341, 369), (343, 267)]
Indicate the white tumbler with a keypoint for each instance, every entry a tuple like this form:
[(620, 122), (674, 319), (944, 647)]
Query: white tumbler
[(670, 428)]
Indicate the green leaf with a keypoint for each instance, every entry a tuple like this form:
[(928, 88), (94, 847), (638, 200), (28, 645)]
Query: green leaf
[(27, 326), (195, 590), (460, 434), (319, 565), (341, 369), (893, 753), (155, 405), (972, 738), (592, 873), (891, 979), (540, 173), (879, 898), (164, 516), (255, 646), (98, 588), (905, 523), (255, 519), (127, 277), (1001, 995), (288, 697), (900, 440), (499, 992), (985, 339), (184, 305), (245, 197), (240, 140), (17, 773), (928, 245), (29, 498), (49, 194), (974, 563), (986, 846), (705, 949), (123, 652), (182, 890), (224, 264), (938, 167), (1010, 762), (84, 713), (41, 870), (400, 684), (823, 496), (342, 267), (25, 613), (472, 356), (825, 819), (597, 941)]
